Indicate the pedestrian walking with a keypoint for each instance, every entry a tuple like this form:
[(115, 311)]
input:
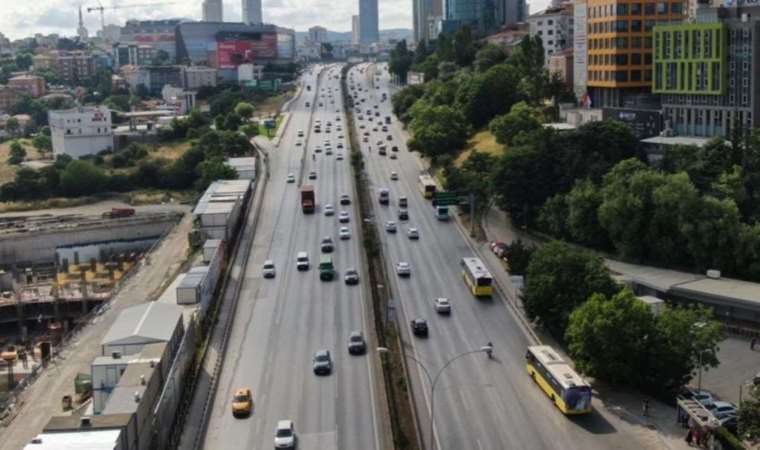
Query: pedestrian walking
[(645, 408), (689, 436)]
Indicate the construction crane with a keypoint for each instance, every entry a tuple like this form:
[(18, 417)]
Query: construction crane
[(102, 8)]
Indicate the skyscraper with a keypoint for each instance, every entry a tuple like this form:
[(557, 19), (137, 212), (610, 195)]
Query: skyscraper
[(425, 15), (369, 32), (252, 12), (212, 11), (355, 29)]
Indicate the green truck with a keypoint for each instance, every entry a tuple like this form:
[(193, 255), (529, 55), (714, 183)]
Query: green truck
[(326, 268)]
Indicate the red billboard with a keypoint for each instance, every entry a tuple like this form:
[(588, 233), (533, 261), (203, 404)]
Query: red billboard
[(232, 53)]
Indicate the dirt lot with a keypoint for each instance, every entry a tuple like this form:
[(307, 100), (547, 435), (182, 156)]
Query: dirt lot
[(482, 142), (8, 171), (171, 151)]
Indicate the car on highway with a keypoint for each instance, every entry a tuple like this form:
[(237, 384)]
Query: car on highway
[(419, 327), (340, 145), (344, 233), (285, 435), (345, 199), (356, 343), (343, 217), (394, 176), (393, 156), (268, 269), (365, 139), (299, 143), (374, 128), (312, 175), (291, 178), (403, 214), (413, 233), (339, 157), (329, 210), (328, 151), (242, 403), (384, 128), (394, 148), (403, 269), (300, 133), (322, 362), (389, 138), (390, 226), (379, 143), (442, 305), (403, 201), (302, 261), (327, 245), (351, 277), (317, 149)]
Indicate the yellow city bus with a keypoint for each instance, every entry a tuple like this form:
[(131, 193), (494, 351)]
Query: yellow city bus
[(427, 186), (569, 392), (477, 277)]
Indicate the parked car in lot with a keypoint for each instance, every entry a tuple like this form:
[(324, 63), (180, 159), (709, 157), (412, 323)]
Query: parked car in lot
[(723, 409), (419, 327), (322, 362)]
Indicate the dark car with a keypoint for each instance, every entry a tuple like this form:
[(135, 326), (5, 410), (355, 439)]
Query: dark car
[(403, 214), (327, 245), (351, 277), (356, 343), (322, 363), (420, 327)]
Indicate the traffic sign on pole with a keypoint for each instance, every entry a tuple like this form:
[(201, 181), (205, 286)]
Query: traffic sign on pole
[(446, 198)]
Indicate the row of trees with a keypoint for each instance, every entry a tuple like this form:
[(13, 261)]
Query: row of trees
[(609, 333)]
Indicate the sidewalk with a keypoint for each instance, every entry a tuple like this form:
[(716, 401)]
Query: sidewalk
[(622, 408)]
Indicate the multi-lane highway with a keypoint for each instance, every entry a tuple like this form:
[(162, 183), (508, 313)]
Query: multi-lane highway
[(480, 403), (281, 322)]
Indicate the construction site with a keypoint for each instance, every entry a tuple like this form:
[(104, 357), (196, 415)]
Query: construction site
[(57, 270)]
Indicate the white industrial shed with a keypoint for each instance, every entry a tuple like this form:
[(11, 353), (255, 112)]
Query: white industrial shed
[(144, 324), (245, 167)]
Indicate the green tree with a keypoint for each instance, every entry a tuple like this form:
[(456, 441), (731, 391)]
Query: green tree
[(437, 130), (212, 170), (42, 143), (403, 100), (244, 110), (518, 255), (710, 231), (464, 47), (224, 102), (429, 67), (23, 61), (250, 130), (560, 278), (17, 153), (82, 178), (445, 47), (521, 118), (489, 56), (583, 203), (401, 60), (610, 338), (232, 121), (484, 96), (552, 217), (12, 126), (749, 415), (118, 102), (474, 177)]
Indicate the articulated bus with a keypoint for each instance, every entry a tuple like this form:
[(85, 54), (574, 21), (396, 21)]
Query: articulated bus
[(427, 186), (477, 277), (561, 383)]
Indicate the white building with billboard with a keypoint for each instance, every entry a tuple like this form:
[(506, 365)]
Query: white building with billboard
[(81, 131)]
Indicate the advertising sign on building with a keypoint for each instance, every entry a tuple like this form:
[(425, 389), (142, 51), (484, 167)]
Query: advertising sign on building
[(149, 38), (580, 49), (232, 53)]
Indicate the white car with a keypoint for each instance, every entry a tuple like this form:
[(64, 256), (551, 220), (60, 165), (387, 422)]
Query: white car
[(344, 233), (390, 226), (722, 409), (394, 176), (285, 435), (302, 261), (413, 234), (291, 178), (268, 269), (329, 210), (442, 305), (343, 217), (403, 269)]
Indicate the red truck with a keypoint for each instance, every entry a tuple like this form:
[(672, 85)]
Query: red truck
[(307, 199), (119, 212)]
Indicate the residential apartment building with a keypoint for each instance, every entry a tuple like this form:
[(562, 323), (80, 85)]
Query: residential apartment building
[(196, 77), (133, 54), (555, 28), (154, 78), (71, 67), (81, 131), (619, 44), (30, 84), (706, 72), (8, 98)]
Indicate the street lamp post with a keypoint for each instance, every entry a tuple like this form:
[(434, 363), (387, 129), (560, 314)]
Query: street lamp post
[(433, 381)]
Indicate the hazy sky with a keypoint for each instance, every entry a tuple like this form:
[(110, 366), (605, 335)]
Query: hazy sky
[(19, 18)]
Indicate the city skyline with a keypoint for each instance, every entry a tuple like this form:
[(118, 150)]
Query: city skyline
[(60, 16)]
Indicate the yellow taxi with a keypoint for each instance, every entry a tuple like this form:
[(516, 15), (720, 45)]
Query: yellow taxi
[(242, 402)]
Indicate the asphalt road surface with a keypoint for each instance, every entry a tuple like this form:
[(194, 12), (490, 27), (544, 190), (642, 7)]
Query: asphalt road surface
[(479, 403), (281, 322)]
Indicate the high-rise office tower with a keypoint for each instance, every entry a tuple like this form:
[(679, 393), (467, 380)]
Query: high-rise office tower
[(212, 11), (369, 32), (252, 12), (426, 15), (355, 29)]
